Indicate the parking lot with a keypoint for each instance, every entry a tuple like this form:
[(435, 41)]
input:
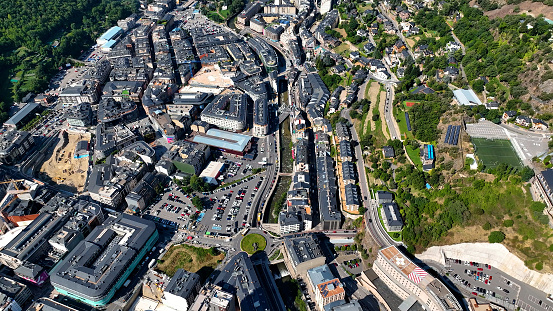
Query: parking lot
[(480, 279)]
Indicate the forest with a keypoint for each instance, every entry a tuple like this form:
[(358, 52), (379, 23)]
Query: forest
[(499, 48), (29, 29)]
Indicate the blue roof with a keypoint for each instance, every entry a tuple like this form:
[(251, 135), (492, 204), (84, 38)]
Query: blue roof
[(467, 97), (109, 44), (320, 274), (112, 32), (224, 140)]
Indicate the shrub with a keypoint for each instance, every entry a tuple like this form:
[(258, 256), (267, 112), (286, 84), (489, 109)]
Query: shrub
[(508, 223), (496, 237), (487, 226), (539, 266)]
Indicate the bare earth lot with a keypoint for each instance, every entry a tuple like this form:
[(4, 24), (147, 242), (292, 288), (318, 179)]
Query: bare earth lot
[(528, 7), (62, 168)]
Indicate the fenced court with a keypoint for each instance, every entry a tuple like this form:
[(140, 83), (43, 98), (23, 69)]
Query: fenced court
[(492, 152)]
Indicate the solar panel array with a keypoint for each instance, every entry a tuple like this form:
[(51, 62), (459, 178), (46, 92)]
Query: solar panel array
[(452, 135), (408, 121)]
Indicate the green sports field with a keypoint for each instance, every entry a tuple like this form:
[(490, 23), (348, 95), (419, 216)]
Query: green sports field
[(492, 152)]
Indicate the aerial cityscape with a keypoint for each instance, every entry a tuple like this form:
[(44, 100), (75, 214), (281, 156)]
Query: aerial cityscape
[(294, 155)]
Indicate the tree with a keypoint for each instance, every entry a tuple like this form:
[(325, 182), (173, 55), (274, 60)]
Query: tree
[(198, 203), (361, 209), (508, 223), (478, 86), (496, 237), (487, 226), (526, 173)]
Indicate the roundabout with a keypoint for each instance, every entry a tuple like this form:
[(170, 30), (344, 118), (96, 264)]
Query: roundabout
[(253, 243)]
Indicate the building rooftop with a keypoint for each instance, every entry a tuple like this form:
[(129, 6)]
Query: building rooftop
[(466, 97), (391, 214), (302, 249), (182, 283), (224, 140), (21, 114), (112, 247), (239, 277)]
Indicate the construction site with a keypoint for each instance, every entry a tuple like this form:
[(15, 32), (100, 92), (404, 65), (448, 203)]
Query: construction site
[(63, 166)]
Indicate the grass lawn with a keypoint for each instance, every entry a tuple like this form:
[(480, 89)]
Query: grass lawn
[(402, 123), (396, 236), (492, 152), (342, 49), (195, 259), (224, 13), (407, 108), (247, 243), (414, 155)]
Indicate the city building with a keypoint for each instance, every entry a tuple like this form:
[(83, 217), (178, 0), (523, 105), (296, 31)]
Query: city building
[(80, 115), (14, 145), (212, 172), (143, 193), (326, 287), (111, 111), (330, 215), (273, 32), (83, 93), (351, 198), (164, 125), (289, 222), (349, 175), (411, 283), (253, 287), (261, 115), (214, 298), (109, 183), (227, 112), (182, 290), (542, 185), (23, 116), (124, 90), (248, 12), (346, 152), (188, 157), (117, 247), (47, 304), (257, 23), (302, 253), (109, 139), (384, 197), (110, 34), (392, 217), (226, 142), (326, 6), (13, 295), (428, 157), (266, 53), (342, 131)]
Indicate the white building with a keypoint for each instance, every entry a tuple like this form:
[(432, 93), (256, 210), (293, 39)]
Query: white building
[(326, 6), (411, 283)]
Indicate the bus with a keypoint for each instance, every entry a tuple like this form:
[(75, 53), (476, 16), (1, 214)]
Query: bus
[(245, 231)]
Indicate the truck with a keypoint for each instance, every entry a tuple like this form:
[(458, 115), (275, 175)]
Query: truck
[(151, 264)]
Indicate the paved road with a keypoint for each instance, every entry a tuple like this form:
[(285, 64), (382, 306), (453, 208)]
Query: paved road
[(389, 113), (375, 228), (398, 31)]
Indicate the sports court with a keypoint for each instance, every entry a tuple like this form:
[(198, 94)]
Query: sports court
[(410, 103), (492, 152)]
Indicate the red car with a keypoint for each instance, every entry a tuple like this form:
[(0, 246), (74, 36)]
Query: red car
[(490, 277), (480, 269), (474, 293)]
